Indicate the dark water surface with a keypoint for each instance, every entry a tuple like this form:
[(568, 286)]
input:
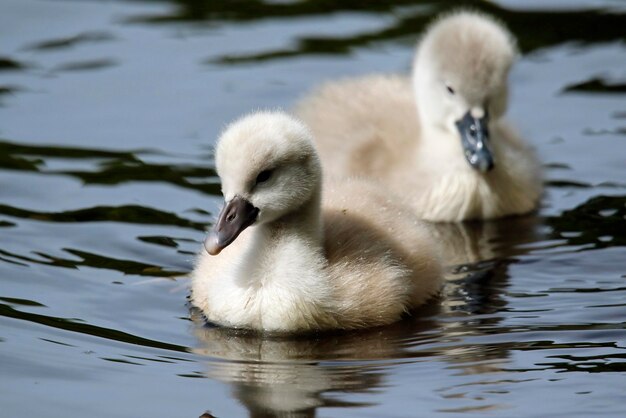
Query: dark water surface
[(108, 111)]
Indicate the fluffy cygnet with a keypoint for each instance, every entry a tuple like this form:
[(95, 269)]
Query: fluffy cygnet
[(437, 138), (278, 259)]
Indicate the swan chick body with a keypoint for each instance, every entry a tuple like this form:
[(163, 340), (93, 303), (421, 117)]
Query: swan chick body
[(437, 138), (284, 262)]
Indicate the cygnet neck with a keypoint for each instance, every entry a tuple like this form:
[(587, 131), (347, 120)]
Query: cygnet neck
[(304, 222)]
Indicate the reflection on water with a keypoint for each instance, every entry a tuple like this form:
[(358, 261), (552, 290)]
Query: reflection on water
[(287, 377), (550, 27), (107, 182), (597, 223), (113, 167), (597, 85), (85, 37), (75, 326)]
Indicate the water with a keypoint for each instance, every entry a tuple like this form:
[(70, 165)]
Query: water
[(108, 111)]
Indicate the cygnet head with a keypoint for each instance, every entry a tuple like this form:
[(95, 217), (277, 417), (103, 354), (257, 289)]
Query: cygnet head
[(460, 79), (268, 167)]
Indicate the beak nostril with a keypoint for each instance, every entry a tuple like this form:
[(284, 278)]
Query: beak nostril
[(231, 216)]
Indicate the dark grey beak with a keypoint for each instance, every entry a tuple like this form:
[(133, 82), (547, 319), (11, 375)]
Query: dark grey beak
[(475, 140), (236, 215)]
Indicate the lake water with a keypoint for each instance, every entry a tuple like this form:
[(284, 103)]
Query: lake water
[(108, 114)]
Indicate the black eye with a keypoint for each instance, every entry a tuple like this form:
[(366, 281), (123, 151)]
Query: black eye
[(450, 89), (263, 176)]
